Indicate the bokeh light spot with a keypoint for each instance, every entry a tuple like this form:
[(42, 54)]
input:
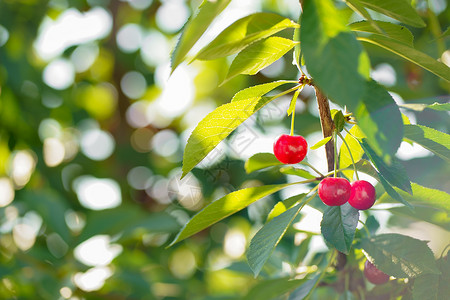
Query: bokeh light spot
[(97, 144), (97, 194), (133, 84), (59, 74), (129, 38)]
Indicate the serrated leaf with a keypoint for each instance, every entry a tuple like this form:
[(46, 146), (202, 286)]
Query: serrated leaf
[(419, 58), (376, 107), (259, 55), (268, 237), (320, 143), (284, 205), (272, 288), (400, 10), (195, 28), (261, 161), (394, 172), (394, 31), (399, 255), (431, 139), (224, 207), (305, 289), (332, 54), (357, 152), (420, 107), (216, 126), (259, 90), (291, 170), (244, 32), (423, 196), (338, 226)]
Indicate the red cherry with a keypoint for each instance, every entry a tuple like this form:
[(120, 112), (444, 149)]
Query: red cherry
[(362, 195), (334, 191), (290, 149), (374, 275)]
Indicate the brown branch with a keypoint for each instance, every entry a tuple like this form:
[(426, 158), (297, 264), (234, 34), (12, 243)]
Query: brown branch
[(327, 126)]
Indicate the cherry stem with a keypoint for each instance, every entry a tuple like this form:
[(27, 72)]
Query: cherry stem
[(351, 156), (292, 120), (335, 153), (309, 165), (365, 227)]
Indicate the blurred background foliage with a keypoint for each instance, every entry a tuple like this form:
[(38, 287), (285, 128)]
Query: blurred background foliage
[(92, 131)]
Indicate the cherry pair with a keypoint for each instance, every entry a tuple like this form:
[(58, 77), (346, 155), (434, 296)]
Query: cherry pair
[(335, 191)]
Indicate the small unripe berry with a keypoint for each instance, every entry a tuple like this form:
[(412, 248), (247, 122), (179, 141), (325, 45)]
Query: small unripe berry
[(290, 149)]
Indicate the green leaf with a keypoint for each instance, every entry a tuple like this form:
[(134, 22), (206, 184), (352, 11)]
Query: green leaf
[(339, 121), (244, 32), (357, 7), (293, 102), (224, 207), (259, 55), (305, 289), (258, 90), (331, 52), (419, 58), (423, 196), (268, 237), (400, 10), (320, 143), (432, 286), (216, 126), (52, 208), (377, 107), (422, 213), (284, 205), (291, 170), (394, 31), (272, 288), (338, 226), (393, 172), (357, 152), (195, 28), (261, 161), (431, 139), (420, 107), (392, 192), (399, 255), (125, 219)]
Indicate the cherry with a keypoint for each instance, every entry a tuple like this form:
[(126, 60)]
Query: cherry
[(362, 195), (374, 275), (290, 149), (334, 191)]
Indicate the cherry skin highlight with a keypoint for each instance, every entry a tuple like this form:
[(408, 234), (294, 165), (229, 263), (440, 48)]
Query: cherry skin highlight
[(374, 275), (334, 191), (290, 149), (362, 195)]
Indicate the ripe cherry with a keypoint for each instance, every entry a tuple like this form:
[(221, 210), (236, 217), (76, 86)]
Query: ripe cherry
[(290, 149), (374, 275), (334, 191), (362, 195)]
